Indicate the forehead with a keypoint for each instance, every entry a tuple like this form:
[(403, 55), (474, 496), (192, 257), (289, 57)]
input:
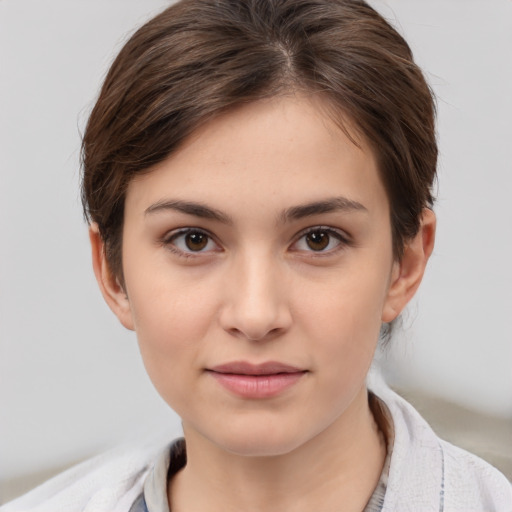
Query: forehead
[(272, 153)]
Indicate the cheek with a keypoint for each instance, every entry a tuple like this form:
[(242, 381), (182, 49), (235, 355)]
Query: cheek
[(342, 318), (172, 317), (168, 303), (170, 336), (347, 305)]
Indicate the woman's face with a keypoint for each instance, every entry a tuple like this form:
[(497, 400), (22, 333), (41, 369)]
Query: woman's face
[(258, 263)]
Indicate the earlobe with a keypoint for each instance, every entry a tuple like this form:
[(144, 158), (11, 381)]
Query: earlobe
[(111, 289), (408, 273)]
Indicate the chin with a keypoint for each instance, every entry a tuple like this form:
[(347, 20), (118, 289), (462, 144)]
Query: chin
[(263, 442)]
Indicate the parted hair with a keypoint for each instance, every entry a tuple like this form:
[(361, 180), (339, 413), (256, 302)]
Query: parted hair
[(200, 58)]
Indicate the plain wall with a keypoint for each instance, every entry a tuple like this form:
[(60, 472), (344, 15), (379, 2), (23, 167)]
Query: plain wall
[(71, 380)]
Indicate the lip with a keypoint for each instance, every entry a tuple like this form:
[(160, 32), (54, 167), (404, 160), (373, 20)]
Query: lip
[(256, 381)]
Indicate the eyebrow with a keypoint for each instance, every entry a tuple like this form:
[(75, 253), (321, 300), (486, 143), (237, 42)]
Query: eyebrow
[(190, 208), (330, 205)]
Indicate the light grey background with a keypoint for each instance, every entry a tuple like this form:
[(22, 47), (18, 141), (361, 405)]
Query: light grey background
[(71, 381)]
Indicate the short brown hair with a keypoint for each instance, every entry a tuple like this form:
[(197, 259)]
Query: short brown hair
[(199, 58)]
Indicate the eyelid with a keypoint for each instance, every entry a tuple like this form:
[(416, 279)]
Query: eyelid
[(169, 237), (173, 233), (342, 236)]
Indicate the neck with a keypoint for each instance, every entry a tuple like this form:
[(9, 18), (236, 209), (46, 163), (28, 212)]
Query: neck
[(337, 469)]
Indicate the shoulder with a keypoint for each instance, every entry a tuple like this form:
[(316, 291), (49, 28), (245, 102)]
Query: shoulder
[(429, 474), (110, 482), (480, 483)]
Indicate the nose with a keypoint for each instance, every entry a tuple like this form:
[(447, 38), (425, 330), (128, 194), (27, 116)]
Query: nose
[(256, 306)]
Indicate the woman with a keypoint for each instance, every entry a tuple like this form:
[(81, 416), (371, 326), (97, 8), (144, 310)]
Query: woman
[(257, 177)]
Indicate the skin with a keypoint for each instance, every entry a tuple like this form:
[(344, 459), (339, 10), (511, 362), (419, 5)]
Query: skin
[(254, 287)]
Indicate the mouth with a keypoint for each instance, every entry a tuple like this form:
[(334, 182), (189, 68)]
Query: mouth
[(256, 381)]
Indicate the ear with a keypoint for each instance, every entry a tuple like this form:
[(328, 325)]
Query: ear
[(111, 289), (408, 272)]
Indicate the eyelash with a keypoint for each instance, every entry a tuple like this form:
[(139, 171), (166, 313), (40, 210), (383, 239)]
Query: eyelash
[(169, 241), (342, 238)]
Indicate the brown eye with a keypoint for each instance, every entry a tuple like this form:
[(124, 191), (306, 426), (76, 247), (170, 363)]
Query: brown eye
[(196, 241), (321, 240), (191, 241), (317, 240)]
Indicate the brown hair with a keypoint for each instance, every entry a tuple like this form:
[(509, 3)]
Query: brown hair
[(199, 58)]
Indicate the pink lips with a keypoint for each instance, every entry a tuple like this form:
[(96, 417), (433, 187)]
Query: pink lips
[(256, 381)]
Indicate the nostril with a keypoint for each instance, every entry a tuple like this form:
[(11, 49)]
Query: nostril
[(257, 336)]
